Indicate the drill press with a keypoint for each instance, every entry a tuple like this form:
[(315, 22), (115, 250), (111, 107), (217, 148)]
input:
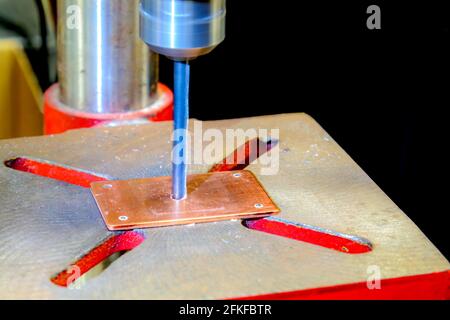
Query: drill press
[(49, 224), (182, 30)]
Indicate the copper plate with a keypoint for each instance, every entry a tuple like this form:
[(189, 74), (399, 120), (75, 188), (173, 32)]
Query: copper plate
[(146, 203)]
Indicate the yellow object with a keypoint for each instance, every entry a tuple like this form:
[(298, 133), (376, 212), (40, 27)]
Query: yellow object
[(20, 94)]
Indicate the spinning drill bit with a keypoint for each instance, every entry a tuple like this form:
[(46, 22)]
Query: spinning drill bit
[(181, 117), (182, 30)]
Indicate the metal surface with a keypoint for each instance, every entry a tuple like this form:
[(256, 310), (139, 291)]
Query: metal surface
[(47, 225), (103, 65), (183, 28), (146, 203), (181, 117)]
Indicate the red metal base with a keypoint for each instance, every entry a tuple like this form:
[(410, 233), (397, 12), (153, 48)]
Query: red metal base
[(433, 286), (59, 118)]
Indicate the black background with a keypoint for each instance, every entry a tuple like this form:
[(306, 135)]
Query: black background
[(381, 94), (280, 309)]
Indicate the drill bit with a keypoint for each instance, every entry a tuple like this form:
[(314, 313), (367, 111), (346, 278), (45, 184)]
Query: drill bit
[(181, 116), (182, 30)]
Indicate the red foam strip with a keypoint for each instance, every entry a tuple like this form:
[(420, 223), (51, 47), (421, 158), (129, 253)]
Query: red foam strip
[(53, 171), (296, 232), (432, 286), (123, 242)]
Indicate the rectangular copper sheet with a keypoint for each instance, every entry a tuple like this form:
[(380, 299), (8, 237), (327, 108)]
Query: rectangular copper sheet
[(146, 203)]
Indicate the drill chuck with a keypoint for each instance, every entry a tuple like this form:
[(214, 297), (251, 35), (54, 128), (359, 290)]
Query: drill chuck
[(182, 29)]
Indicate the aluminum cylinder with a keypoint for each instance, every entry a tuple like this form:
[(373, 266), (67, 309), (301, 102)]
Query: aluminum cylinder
[(183, 29), (103, 65)]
